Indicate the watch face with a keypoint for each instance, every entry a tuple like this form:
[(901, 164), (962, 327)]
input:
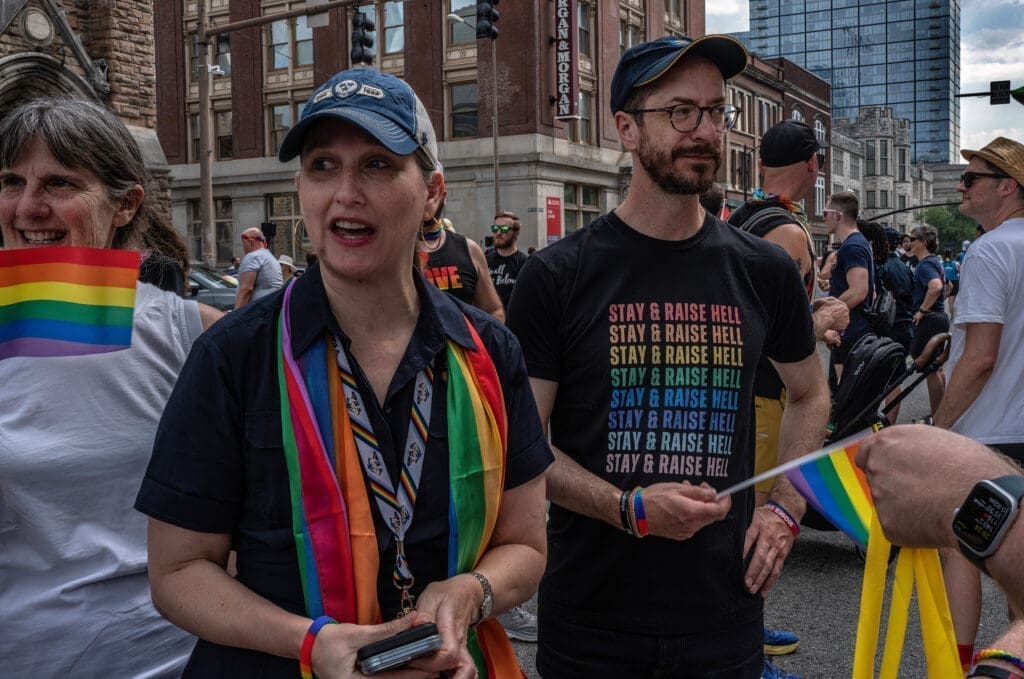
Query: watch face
[(981, 517)]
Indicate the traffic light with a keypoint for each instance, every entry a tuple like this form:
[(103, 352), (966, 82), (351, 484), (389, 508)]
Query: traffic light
[(486, 17), (362, 41)]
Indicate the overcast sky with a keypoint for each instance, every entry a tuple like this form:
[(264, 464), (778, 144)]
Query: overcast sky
[(991, 48)]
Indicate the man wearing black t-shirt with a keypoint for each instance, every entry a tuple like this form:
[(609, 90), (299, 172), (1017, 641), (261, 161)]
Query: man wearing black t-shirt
[(505, 261), (641, 334)]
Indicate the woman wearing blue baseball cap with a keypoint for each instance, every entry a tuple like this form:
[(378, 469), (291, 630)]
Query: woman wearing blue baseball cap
[(374, 452)]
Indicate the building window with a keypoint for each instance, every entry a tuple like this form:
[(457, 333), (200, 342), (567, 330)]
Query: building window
[(283, 210), (870, 199), (222, 125), (819, 195), (580, 204), (883, 157), (282, 117), (458, 31), (903, 164), (585, 20), (222, 54), (465, 110), (193, 126), (869, 157), (902, 202), (290, 44), (674, 11), (819, 130), (223, 229), (883, 199), (582, 130), (854, 167), (797, 114), (390, 16), (631, 30)]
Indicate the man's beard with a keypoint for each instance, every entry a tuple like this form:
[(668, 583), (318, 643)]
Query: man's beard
[(659, 165)]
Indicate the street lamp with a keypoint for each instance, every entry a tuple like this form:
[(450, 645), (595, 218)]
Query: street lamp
[(456, 19)]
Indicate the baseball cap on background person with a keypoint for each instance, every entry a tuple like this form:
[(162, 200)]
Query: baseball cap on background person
[(789, 142), (893, 236), (644, 63), (380, 104), (1006, 154)]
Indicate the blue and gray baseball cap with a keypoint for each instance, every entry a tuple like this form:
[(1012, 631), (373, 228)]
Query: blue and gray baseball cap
[(382, 105), (644, 63)]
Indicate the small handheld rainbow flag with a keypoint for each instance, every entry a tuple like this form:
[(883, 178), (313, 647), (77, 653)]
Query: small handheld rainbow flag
[(832, 483), (66, 301)]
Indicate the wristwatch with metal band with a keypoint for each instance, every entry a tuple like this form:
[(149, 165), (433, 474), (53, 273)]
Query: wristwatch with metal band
[(986, 515), (488, 603)]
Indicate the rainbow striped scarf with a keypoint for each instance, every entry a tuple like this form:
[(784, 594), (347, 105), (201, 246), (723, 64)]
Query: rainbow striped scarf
[(66, 301), (331, 516)]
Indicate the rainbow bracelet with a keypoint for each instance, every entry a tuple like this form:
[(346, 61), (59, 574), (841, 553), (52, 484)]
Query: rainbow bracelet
[(996, 654), (306, 653), (638, 512)]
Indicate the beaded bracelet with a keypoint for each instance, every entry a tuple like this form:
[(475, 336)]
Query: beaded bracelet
[(306, 653), (624, 512), (780, 511), (996, 654), (639, 515)]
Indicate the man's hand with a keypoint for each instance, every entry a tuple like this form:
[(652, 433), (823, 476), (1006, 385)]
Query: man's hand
[(829, 314), (771, 539), (678, 510), (918, 475), (452, 605)]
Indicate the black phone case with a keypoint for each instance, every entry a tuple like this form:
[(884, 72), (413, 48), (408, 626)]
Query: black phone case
[(418, 632)]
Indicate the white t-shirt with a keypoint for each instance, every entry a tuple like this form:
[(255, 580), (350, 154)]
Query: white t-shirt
[(76, 434), (992, 291), (268, 272)]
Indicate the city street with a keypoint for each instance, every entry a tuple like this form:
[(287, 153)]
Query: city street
[(818, 598)]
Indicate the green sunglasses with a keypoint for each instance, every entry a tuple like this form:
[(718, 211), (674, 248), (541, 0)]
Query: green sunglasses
[(503, 228)]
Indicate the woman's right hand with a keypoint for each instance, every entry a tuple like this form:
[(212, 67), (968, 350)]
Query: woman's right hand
[(335, 648)]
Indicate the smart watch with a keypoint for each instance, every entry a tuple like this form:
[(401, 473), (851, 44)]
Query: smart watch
[(984, 517), (488, 603)]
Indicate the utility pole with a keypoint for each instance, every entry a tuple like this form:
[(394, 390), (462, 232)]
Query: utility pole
[(204, 33)]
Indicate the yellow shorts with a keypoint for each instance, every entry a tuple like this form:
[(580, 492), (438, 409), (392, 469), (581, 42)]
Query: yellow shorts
[(768, 416)]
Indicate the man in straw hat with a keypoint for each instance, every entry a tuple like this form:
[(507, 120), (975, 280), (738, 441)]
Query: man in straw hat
[(642, 333), (984, 398)]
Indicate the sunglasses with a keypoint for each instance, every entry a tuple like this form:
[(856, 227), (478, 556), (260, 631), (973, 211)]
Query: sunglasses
[(968, 178), (503, 228), (913, 238)]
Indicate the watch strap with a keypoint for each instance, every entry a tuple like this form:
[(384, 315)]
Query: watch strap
[(488, 601), (986, 670), (1012, 484)]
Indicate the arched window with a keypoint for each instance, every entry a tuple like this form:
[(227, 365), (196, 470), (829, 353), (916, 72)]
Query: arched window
[(797, 114), (819, 130)]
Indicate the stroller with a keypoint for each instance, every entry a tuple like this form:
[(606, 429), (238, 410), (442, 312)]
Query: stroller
[(874, 368)]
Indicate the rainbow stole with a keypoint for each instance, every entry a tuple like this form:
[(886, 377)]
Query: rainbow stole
[(332, 521), (66, 301)]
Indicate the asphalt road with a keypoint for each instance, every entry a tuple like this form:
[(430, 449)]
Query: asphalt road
[(818, 598)]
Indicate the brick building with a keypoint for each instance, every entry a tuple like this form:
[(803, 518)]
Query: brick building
[(102, 51)]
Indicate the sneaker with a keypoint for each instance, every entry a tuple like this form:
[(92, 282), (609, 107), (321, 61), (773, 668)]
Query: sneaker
[(519, 624), (927, 419), (772, 671), (779, 642)]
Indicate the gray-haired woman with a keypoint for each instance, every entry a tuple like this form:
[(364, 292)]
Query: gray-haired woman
[(76, 431)]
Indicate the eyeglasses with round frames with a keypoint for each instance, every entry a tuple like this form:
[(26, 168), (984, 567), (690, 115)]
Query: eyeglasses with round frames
[(968, 178), (504, 228), (687, 117)]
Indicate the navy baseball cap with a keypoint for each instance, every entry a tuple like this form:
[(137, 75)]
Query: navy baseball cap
[(789, 142), (893, 235), (382, 105), (644, 63)]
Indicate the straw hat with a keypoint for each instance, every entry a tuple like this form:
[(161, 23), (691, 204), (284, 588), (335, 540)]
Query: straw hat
[(1006, 154), (285, 260)]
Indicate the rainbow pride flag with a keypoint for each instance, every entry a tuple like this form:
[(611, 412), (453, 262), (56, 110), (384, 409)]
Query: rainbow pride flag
[(66, 301), (835, 486)]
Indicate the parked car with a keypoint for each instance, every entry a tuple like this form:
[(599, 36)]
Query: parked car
[(209, 286)]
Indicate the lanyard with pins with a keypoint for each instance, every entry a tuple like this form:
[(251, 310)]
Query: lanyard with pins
[(395, 507)]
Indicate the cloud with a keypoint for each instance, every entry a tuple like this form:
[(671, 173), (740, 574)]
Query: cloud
[(726, 16)]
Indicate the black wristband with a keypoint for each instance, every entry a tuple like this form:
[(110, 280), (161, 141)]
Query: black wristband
[(624, 511), (993, 672)]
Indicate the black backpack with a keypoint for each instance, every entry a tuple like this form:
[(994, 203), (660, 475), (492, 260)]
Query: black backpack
[(882, 313), (871, 368)]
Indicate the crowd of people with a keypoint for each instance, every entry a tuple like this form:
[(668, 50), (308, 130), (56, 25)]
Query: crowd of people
[(373, 444)]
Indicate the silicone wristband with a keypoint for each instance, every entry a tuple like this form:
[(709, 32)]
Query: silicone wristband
[(624, 512), (992, 672), (306, 653), (638, 512), (780, 511), (996, 654)]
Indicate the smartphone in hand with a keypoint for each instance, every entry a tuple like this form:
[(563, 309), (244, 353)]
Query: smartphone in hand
[(397, 651)]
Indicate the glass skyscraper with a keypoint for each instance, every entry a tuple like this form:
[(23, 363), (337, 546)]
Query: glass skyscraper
[(904, 54)]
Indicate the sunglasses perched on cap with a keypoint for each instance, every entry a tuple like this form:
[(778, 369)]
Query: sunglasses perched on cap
[(503, 228), (687, 117), (968, 178)]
